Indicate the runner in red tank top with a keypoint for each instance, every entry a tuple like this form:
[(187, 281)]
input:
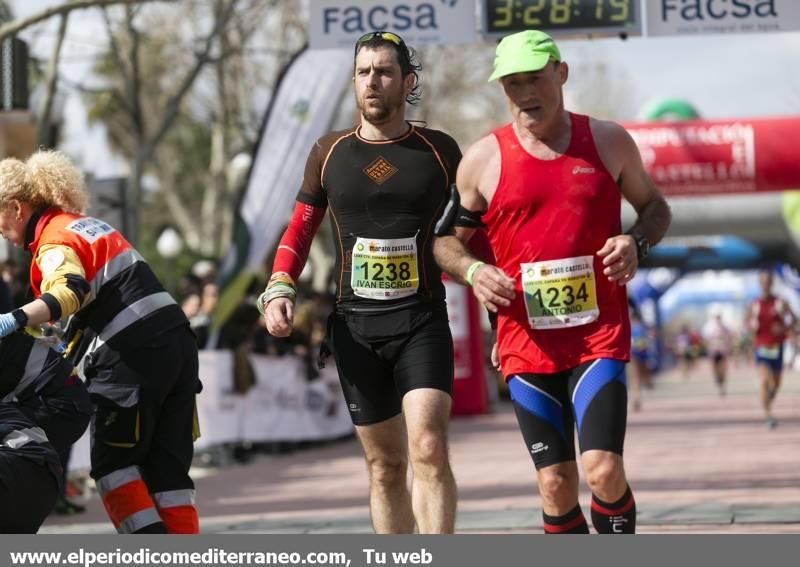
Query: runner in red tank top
[(770, 320), (558, 233), (548, 186)]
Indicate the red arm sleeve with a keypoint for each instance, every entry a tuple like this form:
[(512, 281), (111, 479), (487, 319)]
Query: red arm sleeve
[(296, 241)]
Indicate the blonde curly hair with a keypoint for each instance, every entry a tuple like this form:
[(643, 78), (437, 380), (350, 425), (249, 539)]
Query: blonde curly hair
[(46, 179)]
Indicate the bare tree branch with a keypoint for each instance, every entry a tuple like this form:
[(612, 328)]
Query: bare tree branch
[(12, 28), (188, 147), (115, 50), (83, 88), (135, 94), (201, 59), (51, 82), (220, 138)]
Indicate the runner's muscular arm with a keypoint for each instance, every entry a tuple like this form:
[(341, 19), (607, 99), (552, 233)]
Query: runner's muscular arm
[(638, 188), (490, 285), (622, 159), (451, 251)]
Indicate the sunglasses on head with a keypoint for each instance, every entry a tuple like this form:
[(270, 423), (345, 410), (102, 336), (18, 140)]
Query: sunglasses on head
[(386, 36)]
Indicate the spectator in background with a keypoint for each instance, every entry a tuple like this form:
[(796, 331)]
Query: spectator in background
[(237, 335), (16, 278), (6, 302), (201, 322), (686, 351), (204, 271), (8, 271), (191, 305), (719, 341)]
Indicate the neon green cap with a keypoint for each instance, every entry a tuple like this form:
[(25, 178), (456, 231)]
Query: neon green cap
[(522, 52)]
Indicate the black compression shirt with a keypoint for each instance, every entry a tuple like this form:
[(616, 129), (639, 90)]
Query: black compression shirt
[(384, 199)]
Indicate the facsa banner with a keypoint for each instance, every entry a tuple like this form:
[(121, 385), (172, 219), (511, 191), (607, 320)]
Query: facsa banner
[(339, 23), (703, 157), (696, 17)]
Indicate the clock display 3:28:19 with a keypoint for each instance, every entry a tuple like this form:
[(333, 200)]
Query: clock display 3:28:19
[(508, 16)]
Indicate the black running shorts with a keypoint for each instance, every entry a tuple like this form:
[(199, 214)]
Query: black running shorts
[(592, 398), (381, 357)]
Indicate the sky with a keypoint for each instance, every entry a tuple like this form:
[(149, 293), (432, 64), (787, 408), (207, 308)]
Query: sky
[(743, 75)]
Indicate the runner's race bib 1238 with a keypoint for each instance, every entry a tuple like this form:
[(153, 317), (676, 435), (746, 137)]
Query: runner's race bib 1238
[(560, 293), (385, 268)]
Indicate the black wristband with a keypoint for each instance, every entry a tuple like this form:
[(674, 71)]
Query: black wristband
[(21, 318), (642, 244)]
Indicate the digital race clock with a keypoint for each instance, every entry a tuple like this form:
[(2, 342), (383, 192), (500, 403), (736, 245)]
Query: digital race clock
[(563, 17)]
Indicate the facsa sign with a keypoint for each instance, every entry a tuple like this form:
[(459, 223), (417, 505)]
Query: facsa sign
[(339, 23), (696, 17)]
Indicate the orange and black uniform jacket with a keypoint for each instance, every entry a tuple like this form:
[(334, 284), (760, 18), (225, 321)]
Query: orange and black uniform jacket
[(83, 266)]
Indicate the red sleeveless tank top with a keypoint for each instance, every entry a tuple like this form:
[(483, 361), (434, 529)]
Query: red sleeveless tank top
[(770, 329), (549, 210)]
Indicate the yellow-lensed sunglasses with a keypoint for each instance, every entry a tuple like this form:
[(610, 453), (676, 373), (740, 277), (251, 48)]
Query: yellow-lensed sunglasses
[(387, 36)]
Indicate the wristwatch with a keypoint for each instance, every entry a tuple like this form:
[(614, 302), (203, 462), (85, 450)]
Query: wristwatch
[(21, 318), (642, 245)]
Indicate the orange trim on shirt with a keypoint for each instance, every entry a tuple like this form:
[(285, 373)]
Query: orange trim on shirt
[(333, 215), (444, 196), (381, 142)]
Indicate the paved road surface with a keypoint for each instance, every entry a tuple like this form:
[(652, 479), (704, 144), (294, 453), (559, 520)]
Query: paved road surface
[(697, 463)]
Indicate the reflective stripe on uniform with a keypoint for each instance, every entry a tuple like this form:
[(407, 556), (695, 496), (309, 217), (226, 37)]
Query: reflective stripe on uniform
[(134, 312), (22, 437), (127, 500), (123, 395), (34, 365), (172, 498), (139, 520), (177, 511), (125, 318), (112, 268), (117, 478)]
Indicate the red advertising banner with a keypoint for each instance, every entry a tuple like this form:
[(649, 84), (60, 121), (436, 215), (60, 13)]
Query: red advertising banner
[(470, 395), (703, 157)]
